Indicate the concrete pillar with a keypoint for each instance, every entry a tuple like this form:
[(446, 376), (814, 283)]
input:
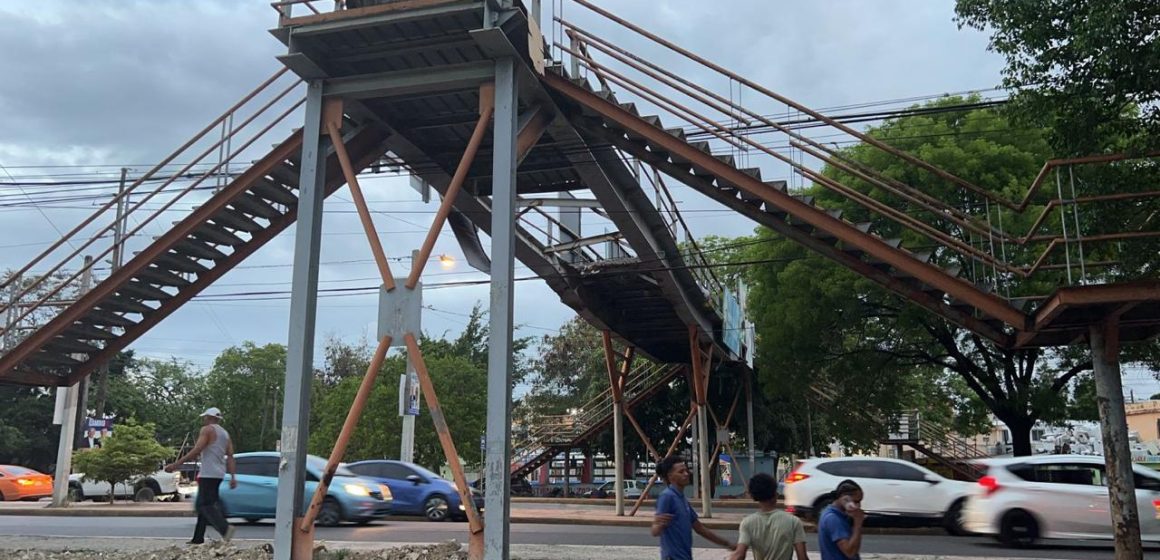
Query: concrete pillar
[(618, 452), (1117, 454)]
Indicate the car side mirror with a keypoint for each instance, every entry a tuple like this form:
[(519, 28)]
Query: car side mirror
[(932, 479), (415, 479)]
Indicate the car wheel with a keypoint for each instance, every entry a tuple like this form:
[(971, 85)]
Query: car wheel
[(364, 521), (330, 514), (75, 493), (953, 520), (145, 494), (436, 508), (1018, 529), (1, 496), (819, 505)]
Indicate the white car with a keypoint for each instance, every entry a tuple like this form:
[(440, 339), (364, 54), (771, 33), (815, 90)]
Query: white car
[(1023, 499), (892, 489), (159, 485)]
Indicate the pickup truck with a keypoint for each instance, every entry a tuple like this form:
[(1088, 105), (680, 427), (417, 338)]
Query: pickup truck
[(159, 485)]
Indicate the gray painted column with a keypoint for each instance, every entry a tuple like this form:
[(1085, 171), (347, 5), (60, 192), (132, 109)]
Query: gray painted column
[(497, 501), (303, 307), (1117, 454), (703, 458), (618, 453), (749, 427)]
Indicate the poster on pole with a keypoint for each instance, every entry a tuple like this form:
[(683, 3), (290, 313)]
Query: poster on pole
[(409, 394)]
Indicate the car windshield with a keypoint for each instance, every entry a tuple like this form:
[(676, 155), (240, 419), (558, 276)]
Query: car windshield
[(319, 464), (19, 471)]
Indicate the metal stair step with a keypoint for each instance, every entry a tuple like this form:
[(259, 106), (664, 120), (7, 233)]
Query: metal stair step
[(631, 108), (180, 263), (274, 192), (727, 159), (198, 249), (893, 242), (162, 277), (236, 220), (216, 234), (125, 305), (107, 318), (253, 205), (67, 345), (144, 291), (863, 227), (52, 359), (285, 174), (679, 133), (84, 331), (777, 185)]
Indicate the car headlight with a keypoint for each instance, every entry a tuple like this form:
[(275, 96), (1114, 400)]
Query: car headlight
[(356, 490), (386, 491)]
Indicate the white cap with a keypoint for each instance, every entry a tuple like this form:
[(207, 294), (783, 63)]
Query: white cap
[(213, 411)]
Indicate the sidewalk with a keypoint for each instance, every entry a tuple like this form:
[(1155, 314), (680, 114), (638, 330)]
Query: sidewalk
[(148, 548), (557, 516)]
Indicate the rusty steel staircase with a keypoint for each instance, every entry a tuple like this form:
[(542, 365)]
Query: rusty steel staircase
[(954, 258), (222, 231), (548, 436)]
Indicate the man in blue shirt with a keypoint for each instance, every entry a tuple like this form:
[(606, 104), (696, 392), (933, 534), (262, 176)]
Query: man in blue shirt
[(840, 524), (675, 519)]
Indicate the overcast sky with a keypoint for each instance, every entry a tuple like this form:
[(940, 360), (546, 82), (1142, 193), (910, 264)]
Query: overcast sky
[(100, 85)]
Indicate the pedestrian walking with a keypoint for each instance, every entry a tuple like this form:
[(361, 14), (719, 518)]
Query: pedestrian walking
[(840, 524), (773, 534), (217, 458), (675, 519)]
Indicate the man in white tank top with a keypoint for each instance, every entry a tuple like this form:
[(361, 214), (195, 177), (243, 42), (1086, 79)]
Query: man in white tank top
[(217, 457)]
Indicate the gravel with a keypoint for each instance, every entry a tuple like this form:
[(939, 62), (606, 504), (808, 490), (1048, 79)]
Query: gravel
[(223, 551)]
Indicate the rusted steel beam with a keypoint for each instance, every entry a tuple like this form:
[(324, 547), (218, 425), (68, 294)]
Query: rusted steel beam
[(672, 447), (332, 116), (486, 110), (344, 435), (643, 437), (450, 454), (613, 375), (819, 219)]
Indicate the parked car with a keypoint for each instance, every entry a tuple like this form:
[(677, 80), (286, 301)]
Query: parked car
[(520, 486), (894, 490), (21, 483), (1024, 499), (349, 497), (632, 490), (417, 491), (159, 485)]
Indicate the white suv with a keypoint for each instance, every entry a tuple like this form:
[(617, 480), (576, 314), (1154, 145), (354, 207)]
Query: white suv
[(159, 485), (1023, 499), (893, 489)]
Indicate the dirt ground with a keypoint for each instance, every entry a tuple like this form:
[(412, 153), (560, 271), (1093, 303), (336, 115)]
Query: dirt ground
[(220, 551)]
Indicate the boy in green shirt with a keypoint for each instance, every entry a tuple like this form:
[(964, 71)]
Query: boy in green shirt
[(773, 534)]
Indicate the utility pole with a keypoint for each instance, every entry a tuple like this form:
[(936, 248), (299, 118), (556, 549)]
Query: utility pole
[(115, 265), (73, 398)]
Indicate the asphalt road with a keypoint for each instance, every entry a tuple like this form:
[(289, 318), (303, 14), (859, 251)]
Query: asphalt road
[(401, 532)]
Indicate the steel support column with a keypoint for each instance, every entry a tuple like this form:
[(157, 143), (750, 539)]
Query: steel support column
[(1105, 343), (497, 501), (749, 426), (289, 543)]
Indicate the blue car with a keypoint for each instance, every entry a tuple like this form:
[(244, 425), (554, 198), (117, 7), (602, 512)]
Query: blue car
[(417, 491), (349, 497)]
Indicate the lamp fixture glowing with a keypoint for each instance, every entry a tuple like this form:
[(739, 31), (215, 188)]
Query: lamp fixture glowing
[(447, 261)]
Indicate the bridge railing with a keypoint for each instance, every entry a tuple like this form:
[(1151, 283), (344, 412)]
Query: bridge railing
[(120, 225), (1065, 229)]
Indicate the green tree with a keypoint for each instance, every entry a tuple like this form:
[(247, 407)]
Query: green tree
[(130, 452), (246, 384), (27, 435), (1088, 69), (168, 393), (818, 321)]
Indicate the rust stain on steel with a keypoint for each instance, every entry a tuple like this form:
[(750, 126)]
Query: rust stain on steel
[(348, 427), (444, 432), (364, 213)]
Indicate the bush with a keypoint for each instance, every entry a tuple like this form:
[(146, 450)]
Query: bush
[(130, 452)]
